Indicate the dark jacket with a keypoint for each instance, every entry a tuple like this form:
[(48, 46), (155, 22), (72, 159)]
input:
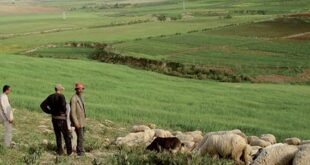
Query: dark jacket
[(54, 104)]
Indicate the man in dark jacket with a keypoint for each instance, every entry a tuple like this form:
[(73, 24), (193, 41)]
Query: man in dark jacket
[(55, 104)]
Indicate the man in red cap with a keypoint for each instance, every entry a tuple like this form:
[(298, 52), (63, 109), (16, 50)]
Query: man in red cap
[(78, 116)]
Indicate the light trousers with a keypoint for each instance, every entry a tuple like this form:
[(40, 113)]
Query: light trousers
[(8, 130)]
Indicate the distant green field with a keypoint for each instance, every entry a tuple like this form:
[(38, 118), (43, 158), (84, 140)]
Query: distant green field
[(131, 96), (252, 49)]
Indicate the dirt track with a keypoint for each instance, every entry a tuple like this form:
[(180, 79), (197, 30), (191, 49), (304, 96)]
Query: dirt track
[(16, 9)]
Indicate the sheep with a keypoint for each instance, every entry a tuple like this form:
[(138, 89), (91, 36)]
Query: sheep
[(188, 146), (204, 139), (302, 157), (252, 138), (305, 142), (255, 151), (269, 138), (139, 128), (162, 133), (292, 141), (227, 145), (197, 136), (189, 139), (133, 139), (260, 142), (152, 126), (185, 137), (276, 154), (256, 141), (171, 144)]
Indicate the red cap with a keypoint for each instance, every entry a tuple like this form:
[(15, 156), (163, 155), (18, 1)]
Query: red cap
[(79, 86)]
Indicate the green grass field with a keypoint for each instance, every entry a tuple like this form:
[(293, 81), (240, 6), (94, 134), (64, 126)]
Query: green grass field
[(129, 96)]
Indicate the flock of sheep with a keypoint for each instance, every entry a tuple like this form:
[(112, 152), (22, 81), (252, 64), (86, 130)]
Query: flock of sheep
[(234, 144)]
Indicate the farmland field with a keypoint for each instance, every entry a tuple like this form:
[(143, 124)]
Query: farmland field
[(268, 42)]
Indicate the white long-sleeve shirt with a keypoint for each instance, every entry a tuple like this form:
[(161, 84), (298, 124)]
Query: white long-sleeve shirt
[(5, 108)]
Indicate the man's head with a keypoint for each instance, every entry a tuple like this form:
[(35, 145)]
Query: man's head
[(6, 89), (59, 88), (79, 88)]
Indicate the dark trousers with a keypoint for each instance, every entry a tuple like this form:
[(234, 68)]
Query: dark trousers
[(80, 140), (61, 127)]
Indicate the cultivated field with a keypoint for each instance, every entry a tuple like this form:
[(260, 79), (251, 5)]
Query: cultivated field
[(265, 41)]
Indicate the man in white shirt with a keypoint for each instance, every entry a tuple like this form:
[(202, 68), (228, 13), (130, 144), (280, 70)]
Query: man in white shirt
[(6, 115)]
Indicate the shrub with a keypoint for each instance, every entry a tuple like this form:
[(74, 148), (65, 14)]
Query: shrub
[(33, 154)]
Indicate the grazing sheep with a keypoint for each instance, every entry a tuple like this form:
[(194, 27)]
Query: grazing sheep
[(227, 145), (185, 137), (138, 138), (269, 138), (139, 128), (302, 157), (197, 136), (292, 141), (162, 133), (171, 144), (305, 142), (260, 142), (277, 154), (255, 151), (204, 139), (252, 138), (152, 126)]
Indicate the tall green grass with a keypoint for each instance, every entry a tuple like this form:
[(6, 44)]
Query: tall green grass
[(131, 96)]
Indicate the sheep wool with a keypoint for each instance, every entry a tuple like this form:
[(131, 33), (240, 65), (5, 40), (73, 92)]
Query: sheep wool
[(226, 145), (278, 154), (138, 138), (303, 156), (292, 141), (197, 136), (162, 133), (140, 128), (260, 143), (204, 139), (305, 142), (269, 138)]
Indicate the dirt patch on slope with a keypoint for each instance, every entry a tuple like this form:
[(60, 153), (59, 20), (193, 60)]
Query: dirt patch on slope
[(16, 10), (300, 36), (300, 15), (299, 78)]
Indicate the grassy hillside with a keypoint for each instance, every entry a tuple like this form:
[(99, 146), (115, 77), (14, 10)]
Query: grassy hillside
[(130, 96)]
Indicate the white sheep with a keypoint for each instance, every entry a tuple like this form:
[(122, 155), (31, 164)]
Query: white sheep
[(140, 128), (269, 138), (204, 139), (292, 141), (197, 136), (277, 154), (133, 139), (260, 142), (302, 157), (305, 142), (162, 133), (256, 141), (227, 145)]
